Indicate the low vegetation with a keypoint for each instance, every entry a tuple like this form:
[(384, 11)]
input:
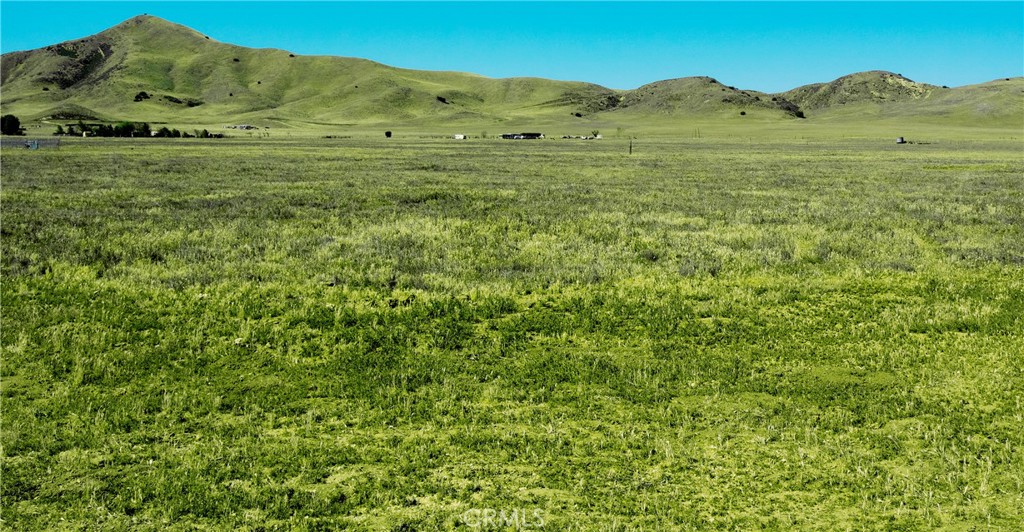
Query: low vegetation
[(403, 334)]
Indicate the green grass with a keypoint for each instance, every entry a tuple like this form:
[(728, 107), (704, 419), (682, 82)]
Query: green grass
[(719, 333)]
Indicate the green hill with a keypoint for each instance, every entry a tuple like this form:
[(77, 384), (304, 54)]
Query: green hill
[(190, 77), (149, 69), (875, 86), (879, 95), (703, 96)]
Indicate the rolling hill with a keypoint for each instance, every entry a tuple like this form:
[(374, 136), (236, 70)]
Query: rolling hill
[(703, 95), (883, 95), (149, 69)]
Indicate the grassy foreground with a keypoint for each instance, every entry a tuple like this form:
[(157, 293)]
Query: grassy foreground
[(430, 335)]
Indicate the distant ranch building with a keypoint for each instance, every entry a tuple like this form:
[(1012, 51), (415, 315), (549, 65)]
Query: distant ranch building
[(522, 136)]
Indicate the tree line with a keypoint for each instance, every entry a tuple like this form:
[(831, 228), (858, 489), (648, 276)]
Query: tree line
[(131, 129)]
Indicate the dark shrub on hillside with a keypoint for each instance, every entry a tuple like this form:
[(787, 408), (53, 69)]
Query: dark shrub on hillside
[(10, 125)]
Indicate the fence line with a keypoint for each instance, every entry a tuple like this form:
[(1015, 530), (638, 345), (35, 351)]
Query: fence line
[(9, 143)]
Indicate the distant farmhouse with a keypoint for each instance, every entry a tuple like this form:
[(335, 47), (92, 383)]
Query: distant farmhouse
[(522, 136)]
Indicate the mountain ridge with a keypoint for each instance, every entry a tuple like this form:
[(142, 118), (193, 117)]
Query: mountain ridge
[(147, 68)]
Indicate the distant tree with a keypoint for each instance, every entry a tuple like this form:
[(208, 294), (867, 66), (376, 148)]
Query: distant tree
[(71, 131), (595, 133), (124, 129), (60, 131), (175, 133), (10, 125), (163, 132), (387, 134)]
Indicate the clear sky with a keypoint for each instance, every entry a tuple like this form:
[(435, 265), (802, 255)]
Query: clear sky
[(767, 46)]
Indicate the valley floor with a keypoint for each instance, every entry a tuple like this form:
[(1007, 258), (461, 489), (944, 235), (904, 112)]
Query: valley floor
[(424, 334)]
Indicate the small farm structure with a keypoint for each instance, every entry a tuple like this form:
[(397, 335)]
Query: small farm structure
[(522, 136), (459, 137)]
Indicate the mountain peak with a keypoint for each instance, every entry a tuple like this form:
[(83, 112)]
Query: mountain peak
[(142, 19), (150, 26)]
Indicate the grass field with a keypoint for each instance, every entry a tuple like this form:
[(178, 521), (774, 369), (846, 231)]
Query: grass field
[(712, 333)]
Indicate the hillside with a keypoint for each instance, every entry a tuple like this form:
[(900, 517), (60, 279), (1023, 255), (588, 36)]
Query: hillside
[(888, 96), (149, 69), (703, 95), (875, 86), (189, 76)]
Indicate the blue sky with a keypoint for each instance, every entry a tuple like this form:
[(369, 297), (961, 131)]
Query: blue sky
[(768, 46)]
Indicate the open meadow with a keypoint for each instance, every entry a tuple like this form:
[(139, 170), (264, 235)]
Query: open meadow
[(780, 332)]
